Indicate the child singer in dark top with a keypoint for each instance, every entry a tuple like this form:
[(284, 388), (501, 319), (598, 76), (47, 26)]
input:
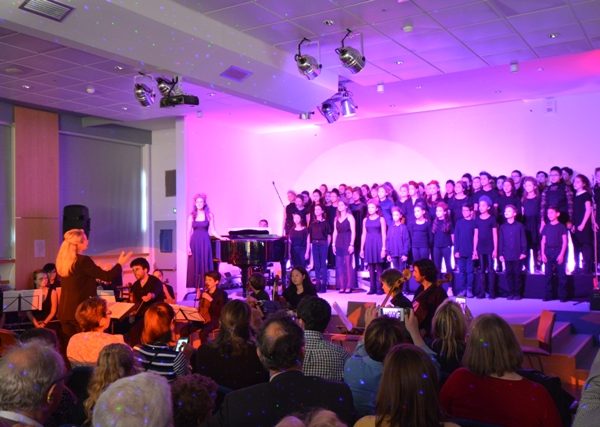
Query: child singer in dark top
[(373, 245), (512, 246), (485, 242), (442, 237), (463, 251), (554, 254), (398, 240)]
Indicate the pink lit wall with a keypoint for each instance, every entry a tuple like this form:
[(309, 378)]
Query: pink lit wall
[(236, 167)]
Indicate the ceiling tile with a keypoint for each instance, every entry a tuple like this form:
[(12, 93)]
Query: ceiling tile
[(77, 56), (20, 83), (508, 43), (508, 57), (386, 50), (341, 20), (440, 4), (373, 80), (244, 16), (383, 10), (55, 79), (465, 15), (588, 11), (10, 53), (420, 24), (592, 28), (10, 69), (5, 32), (549, 19), (86, 74), (518, 7), (209, 5), (596, 42), (280, 32), (562, 48), (33, 44), (118, 68), (117, 83), (422, 42), (457, 65), (446, 54), (295, 9), (45, 63), (564, 34), (483, 31), (62, 93)]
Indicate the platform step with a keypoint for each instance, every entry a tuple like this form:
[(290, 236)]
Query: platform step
[(575, 346)]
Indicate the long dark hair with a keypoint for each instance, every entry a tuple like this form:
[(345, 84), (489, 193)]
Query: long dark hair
[(408, 394), (442, 225), (234, 330), (306, 283), (206, 209)]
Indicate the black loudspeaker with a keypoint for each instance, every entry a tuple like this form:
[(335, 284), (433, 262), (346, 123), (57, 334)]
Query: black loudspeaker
[(76, 216)]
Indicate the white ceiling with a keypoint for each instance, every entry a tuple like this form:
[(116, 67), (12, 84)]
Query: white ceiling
[(456, 53)]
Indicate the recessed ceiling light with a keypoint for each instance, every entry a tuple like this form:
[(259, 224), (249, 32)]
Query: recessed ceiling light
[(540, 69), (26, 86), (124, 108), (119, 68), (328, 22), (380, 88), (399, 62), (497, 91), (408, 27), (13, 69), (212, 94), (418, 87), (90, 89), (553, 35)]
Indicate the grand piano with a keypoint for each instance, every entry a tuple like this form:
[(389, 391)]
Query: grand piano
[(249, 249)]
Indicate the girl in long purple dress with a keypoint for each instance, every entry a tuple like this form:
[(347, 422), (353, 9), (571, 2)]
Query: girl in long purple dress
[(201, 225)]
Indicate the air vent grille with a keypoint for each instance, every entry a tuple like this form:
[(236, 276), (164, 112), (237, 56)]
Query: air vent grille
[(50, 9)]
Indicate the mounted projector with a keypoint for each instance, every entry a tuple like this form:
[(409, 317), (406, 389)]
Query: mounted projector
[(173, 101)]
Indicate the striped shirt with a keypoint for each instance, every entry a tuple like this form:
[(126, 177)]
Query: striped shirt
[(162, 360)]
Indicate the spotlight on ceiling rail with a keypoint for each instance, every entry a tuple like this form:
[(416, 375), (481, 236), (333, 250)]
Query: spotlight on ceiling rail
[(308, 65), (350, 57)]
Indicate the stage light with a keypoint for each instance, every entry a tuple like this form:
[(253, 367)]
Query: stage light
[(144, 94), (348, 107), (330, 111), (350, 57), (167, 87), (308, 65)]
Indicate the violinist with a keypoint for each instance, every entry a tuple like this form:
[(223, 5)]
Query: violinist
[(429, 295)]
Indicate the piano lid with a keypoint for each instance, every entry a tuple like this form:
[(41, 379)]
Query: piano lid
[(248, 232)]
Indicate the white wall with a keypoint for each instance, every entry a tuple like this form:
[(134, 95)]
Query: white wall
[(236, 167)]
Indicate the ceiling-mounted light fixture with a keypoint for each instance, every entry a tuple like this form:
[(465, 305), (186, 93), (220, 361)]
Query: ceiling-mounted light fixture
[(308, 65), (330, 111), (306, 115), (346, 101), (350, 57), (143, 93), (172, 94)]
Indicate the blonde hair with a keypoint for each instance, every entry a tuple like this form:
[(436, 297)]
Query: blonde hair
[(69, 248), (115, 361), (449, 326)]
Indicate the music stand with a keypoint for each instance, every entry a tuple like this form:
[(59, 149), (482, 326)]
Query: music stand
[(24, 300), (189, 314)]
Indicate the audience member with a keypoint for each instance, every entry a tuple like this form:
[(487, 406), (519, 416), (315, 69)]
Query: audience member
[(488, 389), (408, 393), (588, 411), (156, 353), (45, 335), (316, 418), (322, 358), (114, 362), (193, 400), (280, 348), (93, 318), (449, 330), (362, 371), (32, 381), (140, 400), (231, 360)]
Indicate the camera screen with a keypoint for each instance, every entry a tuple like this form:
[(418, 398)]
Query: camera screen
[(394, 312), (181, 344)]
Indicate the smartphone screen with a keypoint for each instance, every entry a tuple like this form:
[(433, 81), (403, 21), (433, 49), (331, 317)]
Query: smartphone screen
[(462, 302), (181, 342), (395, 312)]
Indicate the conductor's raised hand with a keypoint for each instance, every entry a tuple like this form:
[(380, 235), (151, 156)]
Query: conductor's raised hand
[(124, 258)]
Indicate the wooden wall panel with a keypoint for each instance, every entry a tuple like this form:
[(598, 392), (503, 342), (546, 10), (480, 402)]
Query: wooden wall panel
[(36, 164), (36, 191), (31, 232)]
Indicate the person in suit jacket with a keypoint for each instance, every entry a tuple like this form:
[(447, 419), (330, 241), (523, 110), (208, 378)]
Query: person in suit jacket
[(281, 351)]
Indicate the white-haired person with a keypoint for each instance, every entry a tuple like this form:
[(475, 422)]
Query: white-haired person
[(78, 274), (31, 383), (140, 400)]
